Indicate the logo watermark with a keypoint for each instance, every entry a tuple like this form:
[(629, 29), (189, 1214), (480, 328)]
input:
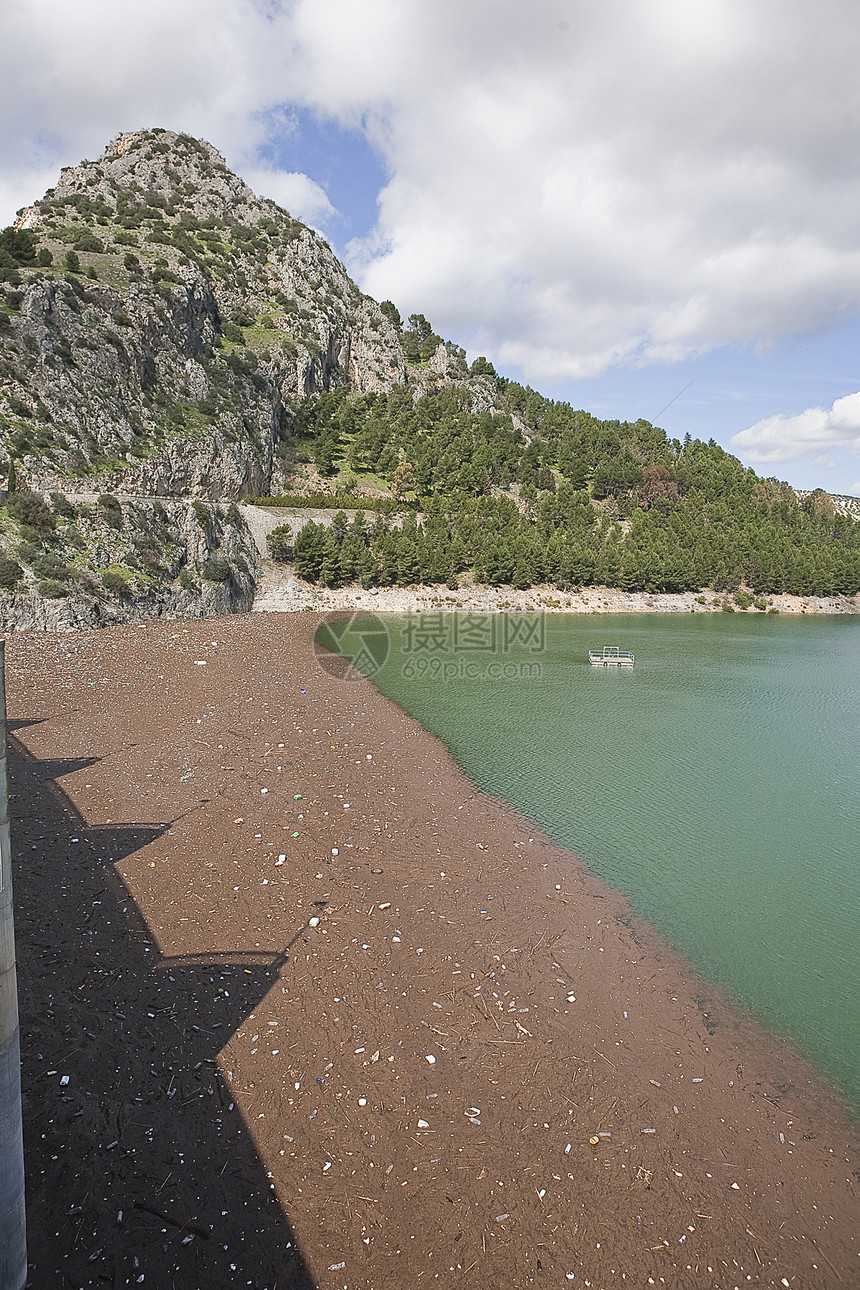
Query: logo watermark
[(349, 646), (439, 646)]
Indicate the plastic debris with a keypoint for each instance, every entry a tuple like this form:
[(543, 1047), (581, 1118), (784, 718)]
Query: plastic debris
[(430, 1058), (313, 922), (280, 860), (422, 1124)]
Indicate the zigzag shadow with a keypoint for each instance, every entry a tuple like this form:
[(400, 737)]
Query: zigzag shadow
[(138, 1165)]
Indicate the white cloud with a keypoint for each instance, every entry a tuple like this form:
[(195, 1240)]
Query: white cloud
[(297, 193), (73, 76), (571, 186), (811, 432)]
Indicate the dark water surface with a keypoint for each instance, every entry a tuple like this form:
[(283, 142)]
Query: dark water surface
[(717, 784)]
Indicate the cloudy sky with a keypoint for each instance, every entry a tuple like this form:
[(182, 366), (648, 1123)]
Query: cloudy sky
[(647, 207)]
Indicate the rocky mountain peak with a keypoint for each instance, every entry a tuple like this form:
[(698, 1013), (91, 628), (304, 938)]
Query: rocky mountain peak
[(162, 321), (159, 169)]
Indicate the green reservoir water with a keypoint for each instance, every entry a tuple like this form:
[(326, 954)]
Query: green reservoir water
[(716, 783)]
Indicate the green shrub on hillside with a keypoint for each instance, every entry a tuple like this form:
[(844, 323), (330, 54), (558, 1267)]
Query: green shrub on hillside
[(87, 241), (111, 510), (17, 250), (217, 570), (10, 572), (115, 583), (31, 510), (51, 590), (63, 507), (47, 565)]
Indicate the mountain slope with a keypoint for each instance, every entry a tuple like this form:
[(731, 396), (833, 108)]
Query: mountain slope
[(165, 334), (177, 317)]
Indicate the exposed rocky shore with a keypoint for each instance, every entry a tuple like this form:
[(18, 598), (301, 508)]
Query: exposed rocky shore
[(300, 1008), (279, 591)]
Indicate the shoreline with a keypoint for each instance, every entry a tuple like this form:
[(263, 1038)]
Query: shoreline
[(593, 1108), (280, 590)]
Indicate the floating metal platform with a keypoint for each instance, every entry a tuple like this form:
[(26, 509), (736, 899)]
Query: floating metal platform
[(610, 656)]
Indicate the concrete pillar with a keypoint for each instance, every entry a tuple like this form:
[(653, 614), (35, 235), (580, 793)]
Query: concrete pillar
[(13, 1235)]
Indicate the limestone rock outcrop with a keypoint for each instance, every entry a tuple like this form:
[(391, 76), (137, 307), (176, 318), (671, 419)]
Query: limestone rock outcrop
[(179, 315)]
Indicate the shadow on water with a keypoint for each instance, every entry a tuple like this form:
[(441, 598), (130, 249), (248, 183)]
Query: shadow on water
[(138, 1170)]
